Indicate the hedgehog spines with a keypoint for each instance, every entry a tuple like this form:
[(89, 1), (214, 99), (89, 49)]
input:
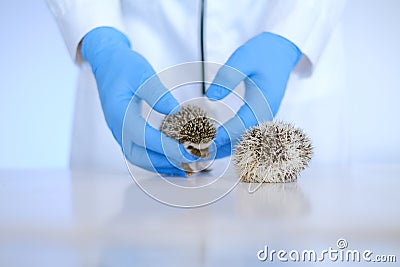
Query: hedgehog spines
[(190, 124), (272, 152)]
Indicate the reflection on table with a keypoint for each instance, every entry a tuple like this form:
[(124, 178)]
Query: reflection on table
[(85, 218)]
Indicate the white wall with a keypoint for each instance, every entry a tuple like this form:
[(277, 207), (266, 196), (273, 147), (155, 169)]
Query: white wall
[(38, 84), (372, 45), (37, 87)]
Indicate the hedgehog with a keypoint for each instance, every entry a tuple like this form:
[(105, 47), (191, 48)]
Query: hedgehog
[(272, 152), (191, 127)]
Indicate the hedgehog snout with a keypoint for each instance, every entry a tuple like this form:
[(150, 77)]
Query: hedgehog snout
[(201, 150), (204, 153)]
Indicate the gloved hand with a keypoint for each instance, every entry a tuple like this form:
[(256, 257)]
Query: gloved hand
[(264, 64), (120, 74)]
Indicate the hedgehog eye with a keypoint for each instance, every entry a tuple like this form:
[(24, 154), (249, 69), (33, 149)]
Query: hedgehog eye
[(190, 147)]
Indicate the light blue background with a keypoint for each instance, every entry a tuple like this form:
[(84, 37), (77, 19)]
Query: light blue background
[(37, 88), (38, 84)]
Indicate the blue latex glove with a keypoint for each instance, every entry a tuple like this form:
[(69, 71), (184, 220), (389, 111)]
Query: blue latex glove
[(120, 74), (264, 64)]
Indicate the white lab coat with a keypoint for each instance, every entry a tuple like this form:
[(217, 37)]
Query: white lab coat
[(167, 33)]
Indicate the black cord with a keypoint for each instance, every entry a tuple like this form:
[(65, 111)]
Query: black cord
[(202, 45)]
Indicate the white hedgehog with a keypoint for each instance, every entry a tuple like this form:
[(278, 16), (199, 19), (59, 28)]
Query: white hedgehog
[(191, 127), (272, 152)]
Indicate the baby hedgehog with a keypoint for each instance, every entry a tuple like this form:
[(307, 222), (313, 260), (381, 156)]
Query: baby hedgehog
[(272, 152), (192, 127)]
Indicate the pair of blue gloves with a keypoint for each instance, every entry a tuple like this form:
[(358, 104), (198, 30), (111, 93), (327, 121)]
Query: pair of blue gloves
[(263, 63)]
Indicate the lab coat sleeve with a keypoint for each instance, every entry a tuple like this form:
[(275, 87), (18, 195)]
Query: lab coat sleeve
[(306, 23), (75, 18)]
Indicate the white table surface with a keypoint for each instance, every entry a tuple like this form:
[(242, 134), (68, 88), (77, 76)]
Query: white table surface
[(87, 218)]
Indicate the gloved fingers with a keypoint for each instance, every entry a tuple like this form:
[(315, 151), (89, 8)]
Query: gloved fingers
[(230, 132), (138, 131), (153, 161), (155, 93), (258, 95), (224, 151), (118, 68), (227, 78), (100, 39), (254, 110), (130, 72), (114, 103)]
